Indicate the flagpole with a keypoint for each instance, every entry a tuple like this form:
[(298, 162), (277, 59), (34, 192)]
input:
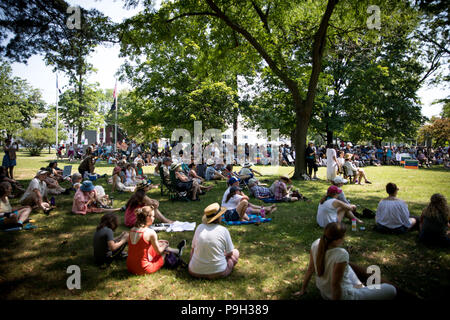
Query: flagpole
[(57, 102), (115, 124)]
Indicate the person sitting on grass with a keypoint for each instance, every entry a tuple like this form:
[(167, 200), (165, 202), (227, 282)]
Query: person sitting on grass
[(87, 168), (338, 181), (434, 222), (336, 277), (392, 214), (213, 254), (117, 182), (86, 200), (53, 186), (56, 172), (36, 194), (211, 173), (106, 247), (234, 182), (238, 208), (246, 173), (331, 209), (11, 217), (76, 181), (353, 171), (17, 187), (282, 192), (139, 200), (228, 172), (145, 252)]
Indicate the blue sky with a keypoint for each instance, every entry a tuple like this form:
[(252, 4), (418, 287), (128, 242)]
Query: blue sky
[(107, 63)]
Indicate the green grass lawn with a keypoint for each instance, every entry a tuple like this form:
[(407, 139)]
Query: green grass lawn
[(274, 255)]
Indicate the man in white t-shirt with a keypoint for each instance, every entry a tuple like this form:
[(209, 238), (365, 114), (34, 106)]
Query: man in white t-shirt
[(36, 193), (213, 254)]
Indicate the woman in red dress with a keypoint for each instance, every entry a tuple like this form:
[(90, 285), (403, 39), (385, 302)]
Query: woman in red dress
[(145, 252)]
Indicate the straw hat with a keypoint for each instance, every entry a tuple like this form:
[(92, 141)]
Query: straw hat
[(209, 162), (142, 185), (41, 172), (174, 166), (212, 212), (285, 177), (248, 164)]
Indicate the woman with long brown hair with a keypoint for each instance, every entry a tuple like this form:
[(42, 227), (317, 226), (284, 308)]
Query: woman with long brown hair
[(336, 277), (434, 222)]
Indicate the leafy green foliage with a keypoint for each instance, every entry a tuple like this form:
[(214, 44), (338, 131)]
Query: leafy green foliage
[(36, 139), (19, 102)]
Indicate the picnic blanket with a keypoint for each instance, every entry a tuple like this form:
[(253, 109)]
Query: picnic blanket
[(270, 200), (177, 226), (253, 219)]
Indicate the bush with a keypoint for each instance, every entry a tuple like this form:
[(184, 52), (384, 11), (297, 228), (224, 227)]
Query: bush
[(36, 139)]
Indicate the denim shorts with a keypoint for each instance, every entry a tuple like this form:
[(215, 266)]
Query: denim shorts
[(231, 215)]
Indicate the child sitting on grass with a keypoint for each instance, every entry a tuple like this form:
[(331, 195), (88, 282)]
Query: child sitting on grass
[(106, 247)]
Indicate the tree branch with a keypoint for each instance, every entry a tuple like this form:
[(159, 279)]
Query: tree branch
[(189, 14)]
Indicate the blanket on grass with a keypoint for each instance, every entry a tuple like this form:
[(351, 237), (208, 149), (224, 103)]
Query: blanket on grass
[(253, 219)]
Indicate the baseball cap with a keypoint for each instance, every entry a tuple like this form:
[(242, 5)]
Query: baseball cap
[(333, 190), (233, 180)]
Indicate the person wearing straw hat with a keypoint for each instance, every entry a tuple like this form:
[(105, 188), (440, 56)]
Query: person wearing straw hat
[(338, 181), (213, 254), (211, 173), (247, 173), (86, 200), (36, 194), (353, 171), (331, 209)]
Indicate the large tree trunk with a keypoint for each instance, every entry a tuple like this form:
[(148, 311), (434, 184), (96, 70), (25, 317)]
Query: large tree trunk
[(304, 108), (329, 137)]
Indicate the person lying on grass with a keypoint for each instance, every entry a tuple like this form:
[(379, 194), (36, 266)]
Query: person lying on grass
[(213, 254), (145, 252), (434, 222), (86, 200), (11, 217), (138, 200), (252, 208), (36, 194), (336, 277), (331, 209), (106, 247), (259, 191), (238, 208), (393, 215)]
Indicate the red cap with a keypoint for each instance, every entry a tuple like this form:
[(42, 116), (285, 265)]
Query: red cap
[(334, 190)]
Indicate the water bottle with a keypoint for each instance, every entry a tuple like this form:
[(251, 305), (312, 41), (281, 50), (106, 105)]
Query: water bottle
[(353, 224), (112, 202), (52, 201)]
